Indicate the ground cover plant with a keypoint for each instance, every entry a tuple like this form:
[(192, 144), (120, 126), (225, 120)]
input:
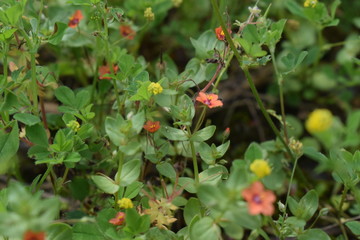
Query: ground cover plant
[(178, 119)]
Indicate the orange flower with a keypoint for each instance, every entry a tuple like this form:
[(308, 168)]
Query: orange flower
[(151, 126), (30, 235), (119, 219), (127, 32), (75, 19), (220, 33), (106, 70), (209, 99), (259, 200)]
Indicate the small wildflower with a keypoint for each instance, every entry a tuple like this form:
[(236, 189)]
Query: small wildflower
[(148, 14), (75, 19), (220, 35), (73, 125), (151, 126), (161, 212), (177, 3), (254, 10), (119, 219), (30, 235), (296, 146), (319, 120), (209, 99), (155, 88), (125, 203), (260, 167), (310, 3), (259, 200), (106, 70), (22, 133), (127, 32)]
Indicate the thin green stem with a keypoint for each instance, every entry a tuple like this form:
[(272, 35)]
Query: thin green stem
[(343, 196), (195, 164), (44, 176), (5, 62), (64, 176), (280, 81), (34, 86), (200, 120), (290, 183), (120, 156), (249, 79), (223, 70)]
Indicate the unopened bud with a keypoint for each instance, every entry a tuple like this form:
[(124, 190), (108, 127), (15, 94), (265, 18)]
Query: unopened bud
[(148, 14), (254, 10), (73, 125)]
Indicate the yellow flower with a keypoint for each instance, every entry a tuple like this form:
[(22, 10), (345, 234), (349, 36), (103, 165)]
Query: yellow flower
[(319, 120), (155, 88), (148, 14), (161, 212), (260, 167), (125, 203), (310, 3), (73, 125)]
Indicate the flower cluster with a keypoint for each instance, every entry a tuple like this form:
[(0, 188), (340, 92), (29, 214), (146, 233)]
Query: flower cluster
[(73, 125), (155, 88), (151, 126), (75, 19), (260, 167), (209, 99), (125, 203), (161, 212), (148, 14), (319, 120), (310, 3), (259, 200)]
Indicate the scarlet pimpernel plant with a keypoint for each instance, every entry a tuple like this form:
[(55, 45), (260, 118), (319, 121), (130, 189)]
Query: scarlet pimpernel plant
[(115, 119)]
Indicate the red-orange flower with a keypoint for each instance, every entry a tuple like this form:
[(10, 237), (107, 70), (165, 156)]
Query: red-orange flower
[(259, 200), (220, 33), (209, 99), (75, 19), (30, 235), (127, 32), (119, 219), (106, 70), (151, 126)]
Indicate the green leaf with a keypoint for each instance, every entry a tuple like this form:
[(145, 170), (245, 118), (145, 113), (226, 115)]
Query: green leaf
[(205, 229), (130, 172), (212, 175), (203, 134), (65, 95), (133, 189), (192, 209), (114, 129), (57, 36), (9, 142), (254, 151), (59, 231), (82, 99), (306, 207), (73, 157), (240, 214), (354, 226), (205, 44), (188, 184), (166, 169), (105, 183), (314, 234), (174, 134), (87, 231), (79, 188), (27, 118), (210, 195), (14, 13), (206, 153), (37, 135)]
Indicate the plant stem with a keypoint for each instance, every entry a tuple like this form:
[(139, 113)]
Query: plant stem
[(280, 79), (120, 155), (5, 62), (223, 70), (200, 120), (249, 79), (290, 183), (196, 169), (343, 196), (44, 176), (64, 176)]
